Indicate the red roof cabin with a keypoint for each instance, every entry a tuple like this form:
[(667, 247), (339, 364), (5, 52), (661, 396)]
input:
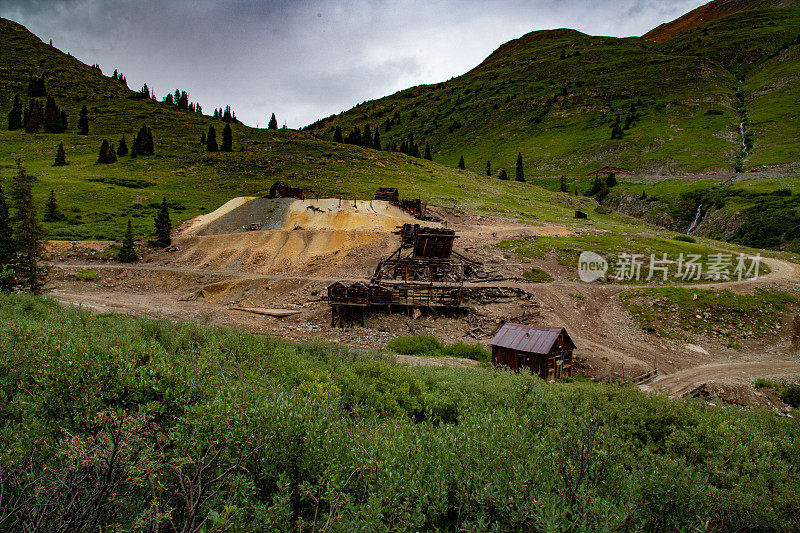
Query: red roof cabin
[(546, 352)]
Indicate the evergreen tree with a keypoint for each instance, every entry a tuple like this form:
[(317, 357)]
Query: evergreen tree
[(15, 115), (273, 123), (36, 86), (83, 122), (135, 146), (428, 155), (503, 174), (51, 212), (203, 138), (337, 135), (211, 139), (563, 184), (489, 168), (168, 99), (354, 137), (127, 253), (461, 164), (143, 142), (6, 247), (163, 226), (643, 196), (366, 138), (102, 157), (54, 118), (596, 187), (122, 150), (227, 139), (376, 139), (112, 154), (28, 235), (61, 156), (576, 190), (520, 171), (33, 119), (611, 180)]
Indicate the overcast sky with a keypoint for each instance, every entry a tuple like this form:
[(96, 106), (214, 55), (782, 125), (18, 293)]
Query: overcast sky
[(304, 60)]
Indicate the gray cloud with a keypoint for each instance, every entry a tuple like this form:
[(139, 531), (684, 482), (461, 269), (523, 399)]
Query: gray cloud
[(307, 59)]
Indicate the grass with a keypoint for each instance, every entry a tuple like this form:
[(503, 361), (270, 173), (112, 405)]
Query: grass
[(283, 436), (429, 346), (684, 312), (86, 275), (537, 275), (612, 246)]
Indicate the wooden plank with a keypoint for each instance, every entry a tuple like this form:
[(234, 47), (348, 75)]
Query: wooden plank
[(268, 312)]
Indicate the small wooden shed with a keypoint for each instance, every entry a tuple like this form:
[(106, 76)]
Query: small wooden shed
[(544, 351), (388, 194)]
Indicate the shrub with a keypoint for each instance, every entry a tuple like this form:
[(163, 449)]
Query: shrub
[(791, 395), (86, 275), (416, 345), (537, 275), (762, 383), (381, 388), (602, 210), (476, 352), (685, 238)]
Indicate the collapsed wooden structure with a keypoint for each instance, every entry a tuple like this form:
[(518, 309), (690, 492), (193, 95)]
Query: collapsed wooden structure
[(421, 274), (546, 352)]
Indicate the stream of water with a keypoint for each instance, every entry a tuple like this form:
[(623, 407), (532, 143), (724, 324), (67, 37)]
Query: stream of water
[(696, 220)]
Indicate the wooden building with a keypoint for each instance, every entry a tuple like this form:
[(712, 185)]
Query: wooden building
[(546, 352), (387, 194)]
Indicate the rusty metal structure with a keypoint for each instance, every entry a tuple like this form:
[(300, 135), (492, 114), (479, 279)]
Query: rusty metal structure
[(546, 352)]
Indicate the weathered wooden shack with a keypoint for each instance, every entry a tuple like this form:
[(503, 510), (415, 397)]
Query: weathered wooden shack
[(544, 351), (280, 190), (387, 194)]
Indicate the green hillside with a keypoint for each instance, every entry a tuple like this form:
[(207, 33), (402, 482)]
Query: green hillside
[(554, 95)]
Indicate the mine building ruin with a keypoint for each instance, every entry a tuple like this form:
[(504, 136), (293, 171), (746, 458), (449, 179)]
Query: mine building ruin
[(546, 352)]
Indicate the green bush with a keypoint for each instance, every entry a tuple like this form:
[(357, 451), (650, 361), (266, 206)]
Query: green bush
[(86, 275), (791, 395), (537, 275), (602, 210), (476, 352), (685, 238), (426, 345), (762, 383)]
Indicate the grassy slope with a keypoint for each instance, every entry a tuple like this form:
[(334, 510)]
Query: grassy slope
[(560, 111)]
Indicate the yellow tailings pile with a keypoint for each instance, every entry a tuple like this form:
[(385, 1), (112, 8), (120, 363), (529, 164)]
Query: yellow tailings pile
[(325, 237)]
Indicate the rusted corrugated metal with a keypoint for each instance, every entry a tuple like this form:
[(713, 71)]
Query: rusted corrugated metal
[(531, 339)]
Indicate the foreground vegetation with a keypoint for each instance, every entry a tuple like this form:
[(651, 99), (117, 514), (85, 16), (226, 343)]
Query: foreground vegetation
[(111, 422)]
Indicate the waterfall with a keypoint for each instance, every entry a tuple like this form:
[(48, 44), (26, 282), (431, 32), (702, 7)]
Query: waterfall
[(744, 144), (696, 219)]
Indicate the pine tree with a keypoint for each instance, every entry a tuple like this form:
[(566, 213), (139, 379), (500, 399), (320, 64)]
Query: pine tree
[(15, 115), (461, 164), (163, 226), (28, 236), (83, 122), (576, 190), (61, 156), (489, 168), (376, 139), (211, 139), (366, 138), (112, 154), (6, 247), (51, 212), (102, 157), (520, 171), (33, 119), (428, 155), (53, 119), (337, 135), (562, 182), (147, 147), (227, 139), (273, 123), (127, 253), (122, 151), (135, 146), (203, 138), (503, 174), (643, 196)]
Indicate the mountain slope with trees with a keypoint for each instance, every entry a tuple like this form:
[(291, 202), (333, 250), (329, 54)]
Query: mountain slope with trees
[(574, 103)]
